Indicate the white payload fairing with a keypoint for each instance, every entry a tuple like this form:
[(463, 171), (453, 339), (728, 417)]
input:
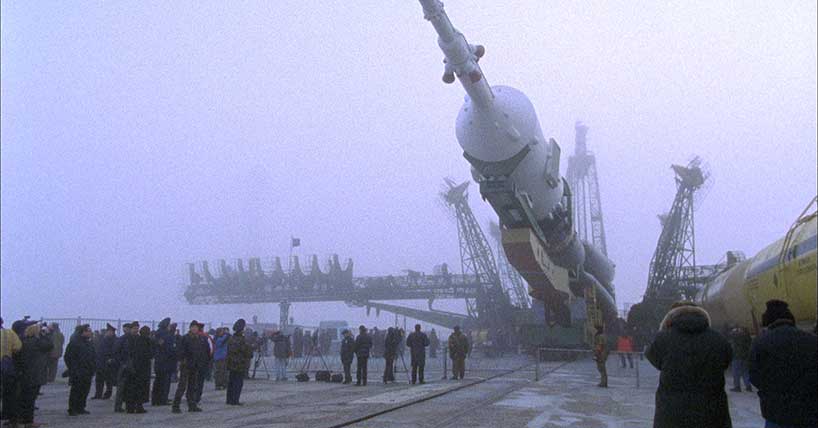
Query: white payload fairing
[(518, 173)]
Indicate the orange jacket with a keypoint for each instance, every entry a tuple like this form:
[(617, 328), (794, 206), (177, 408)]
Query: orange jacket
[(624, 344)]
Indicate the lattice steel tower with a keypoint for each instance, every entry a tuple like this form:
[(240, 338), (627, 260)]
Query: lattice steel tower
[(491, 307), (675, 256), (582, 178)]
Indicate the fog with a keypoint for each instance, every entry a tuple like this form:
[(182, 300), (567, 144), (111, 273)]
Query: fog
[(138, 136)]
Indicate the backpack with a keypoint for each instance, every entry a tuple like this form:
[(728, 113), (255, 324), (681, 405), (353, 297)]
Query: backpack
[(337, 378), (302, 377)]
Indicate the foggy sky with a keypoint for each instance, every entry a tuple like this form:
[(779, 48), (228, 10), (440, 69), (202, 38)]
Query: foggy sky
[(137, 136)]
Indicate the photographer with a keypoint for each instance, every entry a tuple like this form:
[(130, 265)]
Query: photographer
[(282, 352)]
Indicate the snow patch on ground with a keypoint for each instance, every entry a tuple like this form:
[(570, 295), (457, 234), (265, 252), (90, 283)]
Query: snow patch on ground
[(402, 395)]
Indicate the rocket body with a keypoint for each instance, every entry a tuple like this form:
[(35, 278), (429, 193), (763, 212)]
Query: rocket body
[(518, 171)]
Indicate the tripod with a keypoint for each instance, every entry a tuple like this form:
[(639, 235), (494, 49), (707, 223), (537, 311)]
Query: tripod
[(260, 360), (315, 350), (408, 375)]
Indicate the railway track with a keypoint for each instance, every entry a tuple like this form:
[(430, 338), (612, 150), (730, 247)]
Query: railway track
[(493, 397)]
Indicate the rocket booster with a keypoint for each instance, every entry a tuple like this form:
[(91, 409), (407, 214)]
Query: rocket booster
[(518, 171)]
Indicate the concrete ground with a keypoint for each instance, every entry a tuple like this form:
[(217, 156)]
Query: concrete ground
[(566, 396)]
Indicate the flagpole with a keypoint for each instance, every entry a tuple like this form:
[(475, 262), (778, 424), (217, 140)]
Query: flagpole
[(290, 259)]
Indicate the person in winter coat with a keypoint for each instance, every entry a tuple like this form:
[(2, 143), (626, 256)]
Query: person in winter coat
[(105, 364), (298, 342), (80, 359), (378, 339), (692, 358), (164, 363), (220, 358), (458, 349), (138, 368), (741, 341), (390, 352), (624, 345), (401, 342), (784, 368), (121, 359), (239, 355), (601, 355), (31, 369), (54, 356), (434, 344), (417, 343), (10, 345), (194, 357), (282, 351), (363, 343), (347, 354)]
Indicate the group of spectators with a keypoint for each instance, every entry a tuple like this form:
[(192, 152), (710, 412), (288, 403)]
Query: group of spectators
[(393, 341), (31, 350)]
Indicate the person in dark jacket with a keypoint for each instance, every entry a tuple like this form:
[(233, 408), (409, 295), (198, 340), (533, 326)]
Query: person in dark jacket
[(298, 342), (692, 358), (347, 354), (80, 359), (740, 340), (31, 368), (390, 352), (138, 368), (121, 358), (105, 364), (417, 343), (164, 363), (282, 351), (434, 344), (194, 358), (784, 368), (363, 343), (239, 355)]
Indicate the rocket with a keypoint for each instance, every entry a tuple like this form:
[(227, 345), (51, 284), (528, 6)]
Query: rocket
[(518, 173)]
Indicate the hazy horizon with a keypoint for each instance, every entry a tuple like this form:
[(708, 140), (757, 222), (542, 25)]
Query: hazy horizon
[(139, 136)]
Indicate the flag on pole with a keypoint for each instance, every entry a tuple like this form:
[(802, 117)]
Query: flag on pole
[(296, 242)]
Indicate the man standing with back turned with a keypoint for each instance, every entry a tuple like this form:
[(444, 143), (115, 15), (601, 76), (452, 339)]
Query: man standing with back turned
[(784, 368)]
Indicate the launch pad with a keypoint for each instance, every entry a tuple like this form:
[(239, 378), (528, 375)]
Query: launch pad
[(495, 393)]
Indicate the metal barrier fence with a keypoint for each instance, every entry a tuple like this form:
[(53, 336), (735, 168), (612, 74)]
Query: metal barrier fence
[(68, 324), (633, 359)]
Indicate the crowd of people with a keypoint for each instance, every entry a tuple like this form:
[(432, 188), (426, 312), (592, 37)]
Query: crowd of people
[(31, 350), (121, 367), (692, 357)]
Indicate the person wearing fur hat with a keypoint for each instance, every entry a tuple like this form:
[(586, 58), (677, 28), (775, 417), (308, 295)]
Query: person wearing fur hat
[(164, 364), (692, 359), (105, 366), (239, 354), (80, 359), (784, 368)]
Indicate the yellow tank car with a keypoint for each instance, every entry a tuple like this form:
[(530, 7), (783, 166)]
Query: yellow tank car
[(784, 270)]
